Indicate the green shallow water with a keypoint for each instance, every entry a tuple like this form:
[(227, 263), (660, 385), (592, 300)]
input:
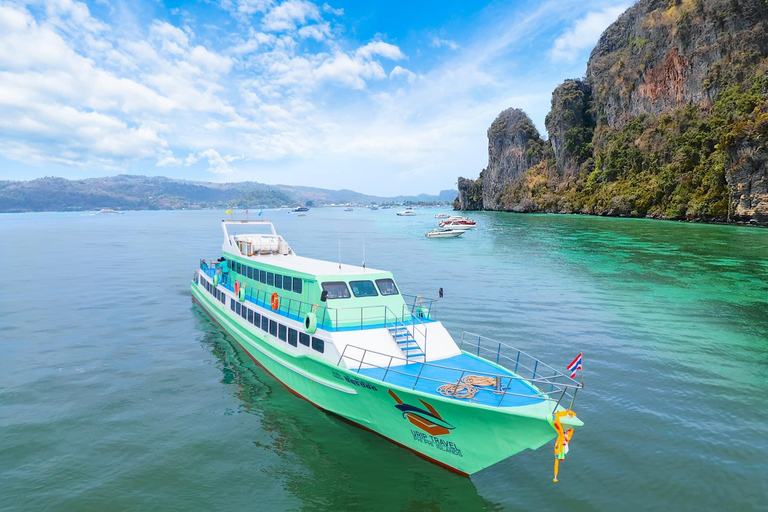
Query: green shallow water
[(116, 393)]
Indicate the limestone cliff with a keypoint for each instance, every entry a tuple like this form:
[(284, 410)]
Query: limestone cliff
[(671, 121)]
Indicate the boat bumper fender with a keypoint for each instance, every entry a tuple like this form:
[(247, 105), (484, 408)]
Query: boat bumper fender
[(310, 323), (241, 293)]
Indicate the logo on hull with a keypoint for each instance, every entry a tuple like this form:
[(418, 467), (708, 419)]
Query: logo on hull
[(428, 420)]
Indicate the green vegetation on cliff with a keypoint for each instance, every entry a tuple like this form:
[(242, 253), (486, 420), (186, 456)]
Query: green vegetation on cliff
[(672, 166)]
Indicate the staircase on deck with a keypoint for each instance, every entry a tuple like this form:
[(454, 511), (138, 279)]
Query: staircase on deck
[(406, 342)]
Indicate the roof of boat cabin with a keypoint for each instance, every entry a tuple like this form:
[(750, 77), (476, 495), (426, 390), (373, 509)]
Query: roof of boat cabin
[(313, 266)]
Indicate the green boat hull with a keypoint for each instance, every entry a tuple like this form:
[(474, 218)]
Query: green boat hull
[(462, 436)]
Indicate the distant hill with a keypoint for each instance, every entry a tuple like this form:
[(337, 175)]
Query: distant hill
[(131, 192)]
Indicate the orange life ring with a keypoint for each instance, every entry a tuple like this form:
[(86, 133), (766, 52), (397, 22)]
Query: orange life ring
[(237, 287), (275, 301)]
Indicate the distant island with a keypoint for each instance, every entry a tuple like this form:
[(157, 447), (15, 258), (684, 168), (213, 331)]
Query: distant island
[(670, 122), (129, 192)]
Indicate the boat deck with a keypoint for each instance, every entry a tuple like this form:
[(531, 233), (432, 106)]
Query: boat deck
[(428, 377)]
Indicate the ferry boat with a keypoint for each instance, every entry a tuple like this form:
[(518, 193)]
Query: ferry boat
[(301, 209), (347, 340)]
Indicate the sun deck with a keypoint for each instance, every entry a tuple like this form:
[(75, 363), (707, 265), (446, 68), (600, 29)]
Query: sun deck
[(427, 378)]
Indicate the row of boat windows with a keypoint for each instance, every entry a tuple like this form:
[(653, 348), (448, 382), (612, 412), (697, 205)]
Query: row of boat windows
[(292, 336), (339, 289), (280, 331), (288, 283), (214, 291)]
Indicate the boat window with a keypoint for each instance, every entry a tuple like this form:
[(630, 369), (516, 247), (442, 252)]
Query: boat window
[(337, 290), (237, 268), (262, 276), (250, 316), (304, 339), (238, 308), (270, 279), (386, 286), (278, 281), (244, 312), (292, 336), (318, 344), (363, 289), (250, 273), (273, 328), (232, 304), (256, 318), (281, 331), (264, 324), (287, 283), (296, 285)]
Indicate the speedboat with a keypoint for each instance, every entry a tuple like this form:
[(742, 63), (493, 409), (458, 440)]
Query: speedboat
[(344, 338), (445, 233), (301, 209), (407, 213), (443, 216), (458, 223), (349, 209)]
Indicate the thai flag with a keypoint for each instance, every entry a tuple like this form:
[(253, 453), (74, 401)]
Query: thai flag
[(575, 365)]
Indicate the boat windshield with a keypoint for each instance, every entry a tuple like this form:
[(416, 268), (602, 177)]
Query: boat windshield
[(337, 290), (386, 286), (363, 289)]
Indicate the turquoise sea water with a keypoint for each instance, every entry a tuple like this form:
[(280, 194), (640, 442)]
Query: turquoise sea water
[(116, 393)]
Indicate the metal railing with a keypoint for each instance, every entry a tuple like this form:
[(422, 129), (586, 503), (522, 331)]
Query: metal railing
[(561, 388), (520, 364), (421, 306)]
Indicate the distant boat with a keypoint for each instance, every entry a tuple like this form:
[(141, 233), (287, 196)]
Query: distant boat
[(109, 210), (374, 208), (458, 223), (349, 209), (301, 209), (443, 216), (407, 213), (386, 207), (302, 215), (445, 233)]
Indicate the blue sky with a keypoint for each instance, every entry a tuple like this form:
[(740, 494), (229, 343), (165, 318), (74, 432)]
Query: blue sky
[(379, 97)]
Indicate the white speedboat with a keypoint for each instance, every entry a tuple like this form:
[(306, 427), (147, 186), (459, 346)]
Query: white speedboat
[(109, 210), (445, 233), (443, 216), (407, 213)]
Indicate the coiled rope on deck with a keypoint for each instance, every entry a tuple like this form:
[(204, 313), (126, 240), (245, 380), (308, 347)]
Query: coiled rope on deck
[(461, 391), (477, 380), (466, 390)]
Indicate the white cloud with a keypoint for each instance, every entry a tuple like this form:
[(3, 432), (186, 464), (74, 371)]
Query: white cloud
[(216, 163), (330, 10), (386, 50), (437, 43), (165, 158), (400, 72), (584, 33), (289, 15)]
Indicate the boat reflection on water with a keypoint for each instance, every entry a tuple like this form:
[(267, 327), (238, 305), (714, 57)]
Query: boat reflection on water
[(322, 460)]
